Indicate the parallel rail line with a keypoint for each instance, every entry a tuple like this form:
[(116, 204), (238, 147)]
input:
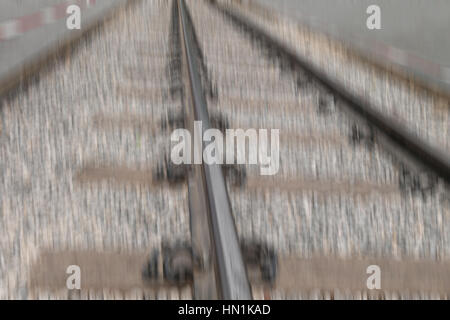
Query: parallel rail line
[(411, 149), (419, 150)]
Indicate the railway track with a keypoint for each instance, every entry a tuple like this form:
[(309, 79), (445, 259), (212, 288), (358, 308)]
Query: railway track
[(97, 187), (81, 144), (335, 160), (231, 281)]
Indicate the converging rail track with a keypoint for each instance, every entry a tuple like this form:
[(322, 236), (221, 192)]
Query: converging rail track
[(231, 270), (354, 187)]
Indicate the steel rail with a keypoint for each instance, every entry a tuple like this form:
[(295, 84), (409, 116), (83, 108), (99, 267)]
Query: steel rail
[(231, 269), (418, 149)]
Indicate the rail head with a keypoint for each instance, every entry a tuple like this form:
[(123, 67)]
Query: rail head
[(232, 271)]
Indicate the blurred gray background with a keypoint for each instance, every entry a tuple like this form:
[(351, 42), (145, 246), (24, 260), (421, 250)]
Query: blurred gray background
[(17, 8), (418, 26)]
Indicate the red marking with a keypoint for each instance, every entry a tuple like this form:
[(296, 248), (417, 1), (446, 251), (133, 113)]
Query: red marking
[(30, 22), (37, 20), (424, 65), (60, 10)]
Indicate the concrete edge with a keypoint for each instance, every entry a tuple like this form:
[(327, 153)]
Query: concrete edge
[(43, 56), (427, 74)]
